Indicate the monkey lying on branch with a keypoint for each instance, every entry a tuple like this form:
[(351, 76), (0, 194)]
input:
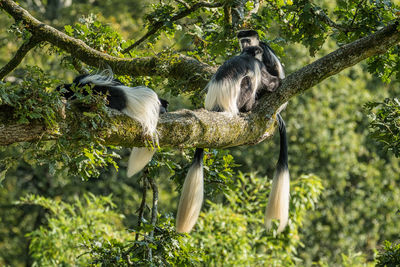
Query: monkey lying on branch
[(140, 103)]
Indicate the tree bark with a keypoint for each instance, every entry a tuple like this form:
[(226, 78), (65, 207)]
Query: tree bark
[(192, 72), (198, 128)]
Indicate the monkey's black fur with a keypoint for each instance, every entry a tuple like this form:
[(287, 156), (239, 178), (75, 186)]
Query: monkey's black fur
[(268, 57), (278, 204), (140, 103), (232, 88), (116, 97), (236, 83)]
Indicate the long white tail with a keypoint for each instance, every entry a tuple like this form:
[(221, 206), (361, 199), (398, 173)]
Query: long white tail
[(192, 195), (138, 159), (278, 203)]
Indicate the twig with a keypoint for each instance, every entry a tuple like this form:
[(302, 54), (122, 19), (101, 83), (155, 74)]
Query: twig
[(155, 27), (154, 211), (322, 16), (19, 56), (183, 3), (355, 13), (143, 203)]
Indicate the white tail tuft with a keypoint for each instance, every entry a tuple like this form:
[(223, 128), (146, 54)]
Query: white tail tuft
[(224, 93), (278, 203), (142, 105), (191, 199), (105, 78), (139, 158)]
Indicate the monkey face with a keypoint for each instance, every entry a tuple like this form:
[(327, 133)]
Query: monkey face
[(248, 38), (244, 42), (254, 51)]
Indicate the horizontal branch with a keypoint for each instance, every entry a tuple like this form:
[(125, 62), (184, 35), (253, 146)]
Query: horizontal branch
[(199, 128), (346, 56), (184, 128), (192, 72)]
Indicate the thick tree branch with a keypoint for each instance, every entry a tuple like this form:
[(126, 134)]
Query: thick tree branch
[(331, 64), (197, 128), (157, 26), (192, 72), (184, 128), (21, 53)]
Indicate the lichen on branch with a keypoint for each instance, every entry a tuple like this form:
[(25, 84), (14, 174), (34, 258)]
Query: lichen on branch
[(203, 128)]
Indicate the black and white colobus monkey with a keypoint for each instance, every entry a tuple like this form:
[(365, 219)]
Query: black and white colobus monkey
[(250, 38), (278, 203), (232, 88), (140, 103)]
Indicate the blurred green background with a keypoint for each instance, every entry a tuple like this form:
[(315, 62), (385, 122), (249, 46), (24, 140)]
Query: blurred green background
[(345, 192)]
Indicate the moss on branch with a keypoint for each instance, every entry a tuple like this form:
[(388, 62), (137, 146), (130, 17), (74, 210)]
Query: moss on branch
[(198, 128), (184, 128), (179, 67)]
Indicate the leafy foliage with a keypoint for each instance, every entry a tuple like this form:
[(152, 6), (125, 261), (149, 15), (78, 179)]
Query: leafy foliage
[(82, 151), (385, 123), (97, 35), (165, 248), (33, 99), (389, 255), (356, 211), (233, 234), (90, 232), (73, 227)]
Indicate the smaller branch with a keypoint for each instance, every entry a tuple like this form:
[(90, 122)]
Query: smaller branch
[(18, 57), (143, 203), (183, 3), (155, 27), (322, 16), (228, 14), (154, 211), (355, 13)]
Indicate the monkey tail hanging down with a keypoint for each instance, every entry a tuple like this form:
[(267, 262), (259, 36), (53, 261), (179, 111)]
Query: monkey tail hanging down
[(232, 88), (140, 103), (278, 203)]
